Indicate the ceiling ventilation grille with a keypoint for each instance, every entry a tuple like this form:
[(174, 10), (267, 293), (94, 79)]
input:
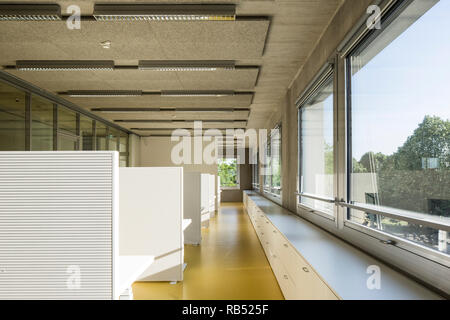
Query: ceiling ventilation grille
[(186, 93), (30, 12), (64, 65), (155, 12), (209, 65), (103, 93)]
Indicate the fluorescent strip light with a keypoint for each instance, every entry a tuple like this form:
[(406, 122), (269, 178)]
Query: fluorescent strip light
[(157, 12), (30, 12), (236, 122), (209, 65), (197, 93), (64, 65), (103, 93), (172, 110)]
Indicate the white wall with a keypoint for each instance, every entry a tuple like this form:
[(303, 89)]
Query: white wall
[(156, 152)]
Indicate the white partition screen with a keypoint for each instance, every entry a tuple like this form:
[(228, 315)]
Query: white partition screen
[(57, 221)]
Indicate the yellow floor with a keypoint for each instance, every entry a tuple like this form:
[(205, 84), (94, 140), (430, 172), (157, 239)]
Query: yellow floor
[(229, 264)]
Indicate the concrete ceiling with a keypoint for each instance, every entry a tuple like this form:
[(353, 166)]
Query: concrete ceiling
[(270, 41)]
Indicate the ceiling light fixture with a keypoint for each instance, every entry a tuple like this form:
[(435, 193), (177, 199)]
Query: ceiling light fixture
[(186, 93), (103, 93), (30, 12), (64, 65), (238, 122), (208, 65), (157, 12), (177, 110)]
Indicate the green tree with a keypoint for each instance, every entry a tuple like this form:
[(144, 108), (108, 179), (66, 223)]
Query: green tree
[(430, 140), (227, 171), (373, 162), (329, 157)]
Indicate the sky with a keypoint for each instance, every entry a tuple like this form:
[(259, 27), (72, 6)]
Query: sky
[(407, 80)]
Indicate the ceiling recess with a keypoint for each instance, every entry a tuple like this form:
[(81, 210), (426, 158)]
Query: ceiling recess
[(177, 110), (162, 12), (30, 12), (185, 93), (180, 65), (64, 65), (103, 93)]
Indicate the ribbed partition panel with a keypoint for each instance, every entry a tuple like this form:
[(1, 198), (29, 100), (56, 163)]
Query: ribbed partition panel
[(56, 225)]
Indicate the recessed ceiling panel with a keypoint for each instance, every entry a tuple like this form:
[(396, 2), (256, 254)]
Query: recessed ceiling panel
[(132, 41), (191, 115), (180, 125), (151, 101)]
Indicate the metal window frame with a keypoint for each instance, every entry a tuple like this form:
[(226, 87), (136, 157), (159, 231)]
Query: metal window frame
[(426, 265), (326, 73), (277, 196)]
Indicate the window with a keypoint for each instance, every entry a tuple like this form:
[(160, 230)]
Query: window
[(86, 134), (101, 133), (317, 147), (12, 118), (228, 171), (67, 129), (255, 173), (275, 168), (113, 139), (399, 159), (123, 149), (266, 166), (53, 126), (42, 124), (272, 164)]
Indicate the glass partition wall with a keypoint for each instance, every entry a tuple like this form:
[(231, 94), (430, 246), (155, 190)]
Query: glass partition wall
[(12, 118), (29, 122)]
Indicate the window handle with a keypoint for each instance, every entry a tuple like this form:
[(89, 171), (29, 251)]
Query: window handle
[(286, 245), (305, 269), (389, 242)]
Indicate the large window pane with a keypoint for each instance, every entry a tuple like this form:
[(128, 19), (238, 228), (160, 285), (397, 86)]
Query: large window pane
[(123, 142), (67, 120), (267, 167), (12, 118), (113, 138), (275, 144), (42, 124), (86, 134), (101, 136), (400, 128), (67, 130), (316, 148), (228, 172)]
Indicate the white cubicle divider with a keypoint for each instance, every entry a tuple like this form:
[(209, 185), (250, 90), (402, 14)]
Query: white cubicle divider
[(58, 221), (192, 207), (219, 194), (212, 195), (205, 198), (151, 220)]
